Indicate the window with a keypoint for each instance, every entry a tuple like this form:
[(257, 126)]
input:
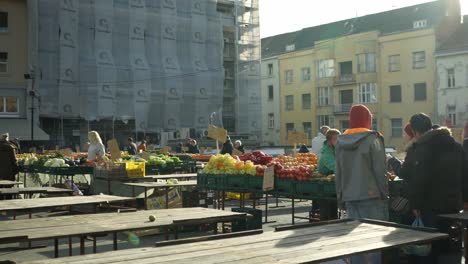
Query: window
[(452, 115), (270, 92), (306, 74), (289, 127), (420, 24), (288, 76), (366, 62), (367, 93), (324, 96), (374, 124), (397, 127), (9, 105), (307, 129), (419, 59), (344, 124), (3, 21), (289, 102), (323, 120), (451, 78), (395, 93), (420, 91), (325, 68), (291, 47), (3, 62), (270, 69), (271, 120), (305, 101), (394, 63)]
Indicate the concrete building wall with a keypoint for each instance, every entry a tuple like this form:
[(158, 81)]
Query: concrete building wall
[(270, 105)]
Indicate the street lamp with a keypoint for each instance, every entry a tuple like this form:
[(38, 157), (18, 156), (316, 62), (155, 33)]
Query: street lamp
[(31, 93)]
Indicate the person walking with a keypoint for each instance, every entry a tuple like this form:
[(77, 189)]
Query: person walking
[(131, 147), (317, 142), (360, 179), (8, 163), (96, 149), (436, 172), (227, 146)]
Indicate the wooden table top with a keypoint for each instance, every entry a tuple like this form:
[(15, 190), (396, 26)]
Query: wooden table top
[(463, 216), (93, 224), (162, 184), (34, 190), (168, 176), (304, 245), (6, 182), (24, 204)]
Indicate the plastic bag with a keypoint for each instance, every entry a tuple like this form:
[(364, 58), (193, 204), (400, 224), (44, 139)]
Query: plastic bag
[(417, 250)]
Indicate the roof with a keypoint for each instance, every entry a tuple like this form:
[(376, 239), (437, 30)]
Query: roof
[(458, 41), (387, 22)]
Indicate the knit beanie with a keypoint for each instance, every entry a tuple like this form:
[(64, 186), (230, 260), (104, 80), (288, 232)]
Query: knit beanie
[(360, 117), (409, 130)]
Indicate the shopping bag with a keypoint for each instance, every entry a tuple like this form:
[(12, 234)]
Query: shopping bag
[(417, 250)]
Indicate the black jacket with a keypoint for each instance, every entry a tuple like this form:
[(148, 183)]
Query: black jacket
[(241, 149), (193, 149), (8, 163), (436, 171), (227, 147)]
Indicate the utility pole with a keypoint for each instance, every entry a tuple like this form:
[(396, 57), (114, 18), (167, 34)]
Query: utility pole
[(32, 93)]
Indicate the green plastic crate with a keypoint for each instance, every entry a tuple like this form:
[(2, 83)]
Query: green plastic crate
[(236, 182), (285, 186), (202, 181), (255, 222), (309, 189), (255, 183), (329, 189), (215, 181)]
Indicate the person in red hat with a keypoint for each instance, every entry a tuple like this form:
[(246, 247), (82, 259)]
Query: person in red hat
[(361, 182)]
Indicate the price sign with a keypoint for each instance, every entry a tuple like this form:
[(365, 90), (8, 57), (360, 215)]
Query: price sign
[(217, 133), (297, 137), (185, 149), (269, 178), (114, 149)]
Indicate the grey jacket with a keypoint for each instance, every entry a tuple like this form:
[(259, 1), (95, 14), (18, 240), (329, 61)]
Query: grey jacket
[(360, 167)]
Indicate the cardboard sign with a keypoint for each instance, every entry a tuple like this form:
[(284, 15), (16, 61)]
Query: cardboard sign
[(166, 149), (269, 178), (145, 155), (297, 137), (457, 134), (236, 152), (185, 149), (114, 149), (217, 133)]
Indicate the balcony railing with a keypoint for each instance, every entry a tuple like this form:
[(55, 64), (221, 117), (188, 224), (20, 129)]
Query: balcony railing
[(345, 79), (343, 108)]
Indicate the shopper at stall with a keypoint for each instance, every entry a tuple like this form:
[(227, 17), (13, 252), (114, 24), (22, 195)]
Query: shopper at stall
[(193, 147), (96, 149), (326, 164), (142, 146), (317, 142), (131, 147), (437, 176), (238, 145), (361, 183), (179, 148), (227, 146), (8, 163)]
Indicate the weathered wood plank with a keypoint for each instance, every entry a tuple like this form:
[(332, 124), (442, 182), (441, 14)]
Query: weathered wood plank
[(30, 190), (162, 184)]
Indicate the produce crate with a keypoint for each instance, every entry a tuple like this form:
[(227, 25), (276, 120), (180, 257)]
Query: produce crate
[(195, 199), (215, 181), (135, 169), (237, 182), (252, 223), (255, 184), (285, 186), (111, 171), (309, 189), (75, 170), (329, 189)]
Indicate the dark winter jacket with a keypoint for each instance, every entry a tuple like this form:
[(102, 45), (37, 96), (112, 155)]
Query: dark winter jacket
[(193, 149), (241, 149), (8, 163), (436, 171), (227, 147), (303, 149)]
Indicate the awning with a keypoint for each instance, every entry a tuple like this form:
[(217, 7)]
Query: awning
[(21, 128)]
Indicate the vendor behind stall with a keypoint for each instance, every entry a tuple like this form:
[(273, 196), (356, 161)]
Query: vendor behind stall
[(96, 149), (326, 164)]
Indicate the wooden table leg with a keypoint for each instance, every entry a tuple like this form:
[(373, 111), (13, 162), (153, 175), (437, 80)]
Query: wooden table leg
[(167, 197), (146, 200), (94, 244), (223, 199), (115, 240), (70, 248), (56, 246), (293, 210), (176, 232), (82, 245)]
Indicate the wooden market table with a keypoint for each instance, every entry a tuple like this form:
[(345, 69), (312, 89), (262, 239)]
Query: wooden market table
[(462, 217), (43, 203), (159, 185), (29, 191), (93, 225), (4, 183), (307, 243), (155, 178)]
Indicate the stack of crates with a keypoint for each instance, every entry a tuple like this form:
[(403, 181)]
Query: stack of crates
[(251, 223)]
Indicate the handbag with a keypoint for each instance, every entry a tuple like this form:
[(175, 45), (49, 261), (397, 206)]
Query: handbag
[(417, 250)]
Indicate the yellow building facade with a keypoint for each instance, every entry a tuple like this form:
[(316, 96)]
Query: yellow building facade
[(393, 75)]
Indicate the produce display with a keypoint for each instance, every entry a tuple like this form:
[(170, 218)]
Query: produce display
[(228, 165)]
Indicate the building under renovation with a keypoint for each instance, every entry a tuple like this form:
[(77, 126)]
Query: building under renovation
[(154, 69)]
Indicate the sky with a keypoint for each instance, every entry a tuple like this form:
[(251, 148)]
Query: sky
[(282, 16)]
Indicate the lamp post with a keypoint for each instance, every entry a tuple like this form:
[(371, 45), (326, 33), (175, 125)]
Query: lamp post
[(31, 93)]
